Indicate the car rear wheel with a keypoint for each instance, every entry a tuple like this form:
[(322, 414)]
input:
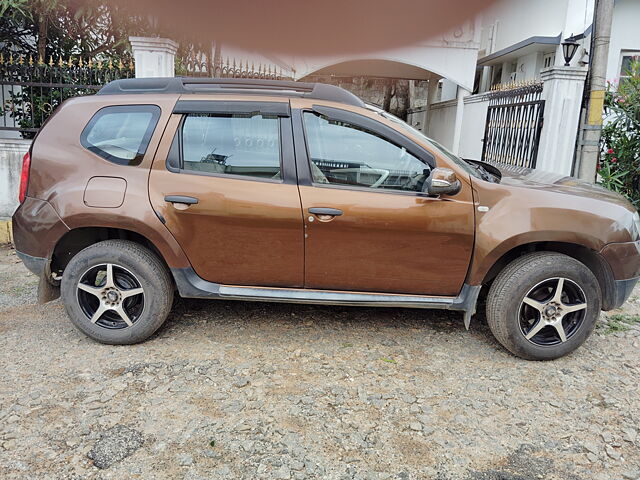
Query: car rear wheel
[(117, 292), (543, 305)]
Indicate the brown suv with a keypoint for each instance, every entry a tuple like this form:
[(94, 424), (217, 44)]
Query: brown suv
[(295, 192)]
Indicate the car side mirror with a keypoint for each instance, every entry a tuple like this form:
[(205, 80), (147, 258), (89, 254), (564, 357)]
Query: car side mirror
[(442, 181)]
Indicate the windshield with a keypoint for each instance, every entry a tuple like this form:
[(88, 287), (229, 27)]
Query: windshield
[(432, 143)]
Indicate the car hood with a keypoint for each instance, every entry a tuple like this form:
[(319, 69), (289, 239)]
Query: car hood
[(554, 182)]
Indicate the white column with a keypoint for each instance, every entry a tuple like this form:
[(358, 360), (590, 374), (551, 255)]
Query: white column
[(562, 92), (485, 81), (154, 57), (11, 153), (432, 90), (457, 129)]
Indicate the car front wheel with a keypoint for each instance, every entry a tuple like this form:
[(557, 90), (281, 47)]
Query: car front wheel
[(543, 305)]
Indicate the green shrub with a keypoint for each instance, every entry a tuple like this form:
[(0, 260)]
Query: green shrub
[(619, 167)]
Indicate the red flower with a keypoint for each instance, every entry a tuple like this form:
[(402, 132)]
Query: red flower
[(610, 151), (614, 160)]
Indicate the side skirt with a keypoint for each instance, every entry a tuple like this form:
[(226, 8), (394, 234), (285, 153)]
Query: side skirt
[(190, 285)]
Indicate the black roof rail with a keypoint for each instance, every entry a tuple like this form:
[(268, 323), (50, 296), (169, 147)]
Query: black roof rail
[(318, 91)]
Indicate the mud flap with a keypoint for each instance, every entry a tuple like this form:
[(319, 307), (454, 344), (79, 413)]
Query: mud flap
[(47, 292), (471, 294)]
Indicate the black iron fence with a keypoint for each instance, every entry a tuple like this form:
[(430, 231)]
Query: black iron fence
[(32, 89), (196, 64), (514, 122)]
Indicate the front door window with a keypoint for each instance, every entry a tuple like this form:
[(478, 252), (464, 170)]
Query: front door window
[(342, 153)]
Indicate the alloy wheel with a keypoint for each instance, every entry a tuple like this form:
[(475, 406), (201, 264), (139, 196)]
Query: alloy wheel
[(110, 296), (552, 311)]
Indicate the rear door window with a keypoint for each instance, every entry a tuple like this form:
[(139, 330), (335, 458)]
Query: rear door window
[(246, 144), (121, 134)]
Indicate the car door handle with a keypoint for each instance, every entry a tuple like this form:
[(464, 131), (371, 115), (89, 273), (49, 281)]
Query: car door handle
[(333, 212), (181, 199)]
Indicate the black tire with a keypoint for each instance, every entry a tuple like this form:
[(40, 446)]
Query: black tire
[(512, 318), (132, 266)]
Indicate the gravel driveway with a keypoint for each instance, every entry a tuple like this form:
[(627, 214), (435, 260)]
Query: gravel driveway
[(247, 390)]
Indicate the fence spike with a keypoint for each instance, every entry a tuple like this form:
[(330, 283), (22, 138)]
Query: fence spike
[(99, 64), (80, 62), (110, 66), (1, 58), (11, 59), (20, 60), (51, 60), (131, 65), (31, 60), (70, 62), (40, 60), (60, 62), (120, 65)]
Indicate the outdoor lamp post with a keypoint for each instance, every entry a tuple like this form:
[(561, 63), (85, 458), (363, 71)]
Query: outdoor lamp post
[(569, 47)]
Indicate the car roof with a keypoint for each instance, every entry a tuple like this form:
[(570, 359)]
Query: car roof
[(182, 85)]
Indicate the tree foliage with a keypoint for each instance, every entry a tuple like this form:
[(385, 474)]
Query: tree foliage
[(620, 162), (60, 28)]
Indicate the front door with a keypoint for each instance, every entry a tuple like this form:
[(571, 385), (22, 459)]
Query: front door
[(228, 192), (368, 226)]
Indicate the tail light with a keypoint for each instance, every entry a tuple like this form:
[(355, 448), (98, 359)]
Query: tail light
[(24, 176)]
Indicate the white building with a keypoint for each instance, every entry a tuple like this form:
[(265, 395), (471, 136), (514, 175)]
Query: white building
[(519, 39)]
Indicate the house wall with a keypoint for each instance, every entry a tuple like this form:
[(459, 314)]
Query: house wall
[(510, 21), (625, 34), (442, 118), (529, 66)]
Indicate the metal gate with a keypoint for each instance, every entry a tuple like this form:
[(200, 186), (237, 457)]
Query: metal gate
[(514, 122)]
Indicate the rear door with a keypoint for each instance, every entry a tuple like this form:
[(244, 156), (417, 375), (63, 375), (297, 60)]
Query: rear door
[(368, 225), (225, 185)]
